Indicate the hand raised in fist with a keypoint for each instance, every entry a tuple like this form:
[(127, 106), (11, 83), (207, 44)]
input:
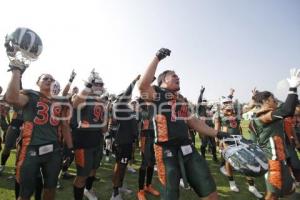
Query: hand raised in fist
[(162, 53)]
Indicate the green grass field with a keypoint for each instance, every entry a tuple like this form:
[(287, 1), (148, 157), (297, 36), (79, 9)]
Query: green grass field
[(104, 187)]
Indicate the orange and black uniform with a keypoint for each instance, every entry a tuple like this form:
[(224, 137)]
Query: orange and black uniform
[(173, 146), (147, 142), (267, 129), (206, 140), (40, 148), (4, 119), (290, 137), (125, 135), (87, 123)]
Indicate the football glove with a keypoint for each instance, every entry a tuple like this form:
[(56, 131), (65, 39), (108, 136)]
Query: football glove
[(294, 81), (162, 53)]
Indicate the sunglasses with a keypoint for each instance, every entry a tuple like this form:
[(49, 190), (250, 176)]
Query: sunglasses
[(48, 78)]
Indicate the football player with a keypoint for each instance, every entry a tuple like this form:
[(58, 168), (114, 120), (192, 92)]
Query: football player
[(68, 157), (88, 124), (173, 148), (267, 126), (228, 121), (147, 151), (125, 135), (202, 111), (292, 143), (13, 132), (38, 150)]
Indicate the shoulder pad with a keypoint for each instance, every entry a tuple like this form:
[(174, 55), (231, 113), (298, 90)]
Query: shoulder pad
[(61, 99), (157, 89), (30, 92)]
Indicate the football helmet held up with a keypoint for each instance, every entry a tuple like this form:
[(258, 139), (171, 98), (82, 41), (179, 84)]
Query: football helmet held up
[(245, 156), (25, 41)]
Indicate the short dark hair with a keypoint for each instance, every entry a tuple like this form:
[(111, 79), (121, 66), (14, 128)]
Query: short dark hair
[(162, 75), (39, 78), (259, 97)]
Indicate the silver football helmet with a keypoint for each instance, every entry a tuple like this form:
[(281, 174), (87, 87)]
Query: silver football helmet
[(23, 46)]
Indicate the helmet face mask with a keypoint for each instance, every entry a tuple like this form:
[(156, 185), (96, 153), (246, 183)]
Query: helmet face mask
[(98, 90), (55, 88)]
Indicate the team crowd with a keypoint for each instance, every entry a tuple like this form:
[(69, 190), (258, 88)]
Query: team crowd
[(51, 128)]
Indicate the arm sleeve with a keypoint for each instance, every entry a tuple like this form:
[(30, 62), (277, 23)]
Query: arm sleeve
[(285, 110), (128, 92), (200, 98)]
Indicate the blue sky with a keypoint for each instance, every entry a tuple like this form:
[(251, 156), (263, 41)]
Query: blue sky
[(218, 44)]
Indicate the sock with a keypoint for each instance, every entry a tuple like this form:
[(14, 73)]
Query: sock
[(78, 193), (250, 182), (222, 162), (17, 189), (38, 188), (150, 171), (116, 191), (203, 151), (89, 182), (142, 174), (214, 152), (4, 158)]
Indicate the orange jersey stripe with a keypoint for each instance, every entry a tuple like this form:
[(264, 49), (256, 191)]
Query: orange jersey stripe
[(161, 169), (26, 138), (142, 144), (279, 147), (146, 124), (275, 175), (288, 127), (162, 128), (79, 157)]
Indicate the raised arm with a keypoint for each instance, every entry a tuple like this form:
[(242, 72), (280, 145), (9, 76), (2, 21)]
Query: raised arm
[(68, 86), (13, 95), (231, 92), (288, 107), (145, 88), (200, 98), (201, 108), (81, 97), (125, 96)]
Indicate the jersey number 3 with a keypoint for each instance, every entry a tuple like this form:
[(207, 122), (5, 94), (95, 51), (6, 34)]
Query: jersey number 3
[(43, 115)]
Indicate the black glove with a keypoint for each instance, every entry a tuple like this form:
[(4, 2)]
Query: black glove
[(17, 65), (69, 154), (202, 89), (162, 53), (72, 76), (222, 135)]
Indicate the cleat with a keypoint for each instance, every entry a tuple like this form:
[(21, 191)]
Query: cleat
[(233, 186), (254, 191), (151, 190), (90, 194)]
